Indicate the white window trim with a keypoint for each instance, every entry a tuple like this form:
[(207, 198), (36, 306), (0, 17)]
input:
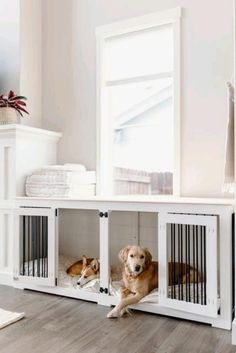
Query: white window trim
[(104, 128)]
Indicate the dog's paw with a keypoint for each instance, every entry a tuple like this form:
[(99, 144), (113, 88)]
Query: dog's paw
[(113, 314)]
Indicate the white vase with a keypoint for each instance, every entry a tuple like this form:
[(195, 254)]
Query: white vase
[(8, 116)]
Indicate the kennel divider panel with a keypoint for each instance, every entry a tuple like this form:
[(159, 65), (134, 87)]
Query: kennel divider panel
[(176, 234), (37, 227), (104, 215)]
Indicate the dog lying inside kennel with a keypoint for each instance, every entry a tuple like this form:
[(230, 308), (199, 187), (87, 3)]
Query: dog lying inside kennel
[(180, 247), (183, 246)]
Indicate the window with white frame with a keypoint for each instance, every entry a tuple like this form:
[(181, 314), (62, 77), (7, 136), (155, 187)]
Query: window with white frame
[(138, 105)]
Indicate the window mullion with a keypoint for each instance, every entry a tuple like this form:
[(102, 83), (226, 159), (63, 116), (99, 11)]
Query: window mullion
[(137, 79)]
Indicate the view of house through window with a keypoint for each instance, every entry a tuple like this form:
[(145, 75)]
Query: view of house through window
[(139, 88)]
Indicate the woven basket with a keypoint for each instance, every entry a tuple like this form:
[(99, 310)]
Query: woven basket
[(8, 116)]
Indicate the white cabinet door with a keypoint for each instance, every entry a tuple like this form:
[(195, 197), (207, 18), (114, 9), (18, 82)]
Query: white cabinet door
[(35, 244), (188, 263)]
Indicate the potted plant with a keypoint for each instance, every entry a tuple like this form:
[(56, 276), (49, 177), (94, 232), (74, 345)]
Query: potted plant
[(11, 107)]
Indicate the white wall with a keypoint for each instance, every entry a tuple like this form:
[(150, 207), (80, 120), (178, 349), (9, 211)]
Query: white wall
[(69, 79), (21, 53), (9, 46), (31, 59)]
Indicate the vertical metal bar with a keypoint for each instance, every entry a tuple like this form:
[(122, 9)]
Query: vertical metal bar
[(39, 243), (197, 235), (179, 263), (41, 248), (33, 243), (205, 279), (186, 263), (35, 247), (28, 235), (36, 243), (181, 247), (45, 244), (39, 236), (201, 260), (194, 263), (46, 219), (170, 274), (174, 263), (189, 250), (42, 255), (23, 230)]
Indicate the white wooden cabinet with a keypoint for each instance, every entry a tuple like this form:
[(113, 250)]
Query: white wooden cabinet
[(209, 221), (22, 150)]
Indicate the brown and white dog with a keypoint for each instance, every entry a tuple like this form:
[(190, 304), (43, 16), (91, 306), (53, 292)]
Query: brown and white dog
[(86, 269), (140, 277)]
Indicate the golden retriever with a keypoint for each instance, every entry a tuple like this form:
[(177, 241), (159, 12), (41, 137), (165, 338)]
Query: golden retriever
[(140, 277)]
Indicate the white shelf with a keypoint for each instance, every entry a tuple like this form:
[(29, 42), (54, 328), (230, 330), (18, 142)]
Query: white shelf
[(18, 129), (136, 199)]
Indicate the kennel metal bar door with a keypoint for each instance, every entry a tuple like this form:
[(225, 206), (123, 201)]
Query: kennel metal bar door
[(188, 263), (35, 241)]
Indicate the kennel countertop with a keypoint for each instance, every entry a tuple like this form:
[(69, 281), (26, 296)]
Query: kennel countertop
[(138, 200)]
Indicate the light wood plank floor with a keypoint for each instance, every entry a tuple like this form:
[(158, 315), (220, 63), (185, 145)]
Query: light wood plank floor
[(60, 325)]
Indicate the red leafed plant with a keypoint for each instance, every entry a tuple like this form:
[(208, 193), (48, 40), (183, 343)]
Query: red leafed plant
[(13, 101)]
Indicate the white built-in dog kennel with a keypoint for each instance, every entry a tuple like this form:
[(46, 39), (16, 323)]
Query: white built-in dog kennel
[(51, 235), (45, 236)]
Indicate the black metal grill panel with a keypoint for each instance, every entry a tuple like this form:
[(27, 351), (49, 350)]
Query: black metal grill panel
[(186, 246), (34, 246)]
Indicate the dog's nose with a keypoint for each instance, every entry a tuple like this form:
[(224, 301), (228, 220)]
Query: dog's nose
[(137, 268), (78, 283)]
